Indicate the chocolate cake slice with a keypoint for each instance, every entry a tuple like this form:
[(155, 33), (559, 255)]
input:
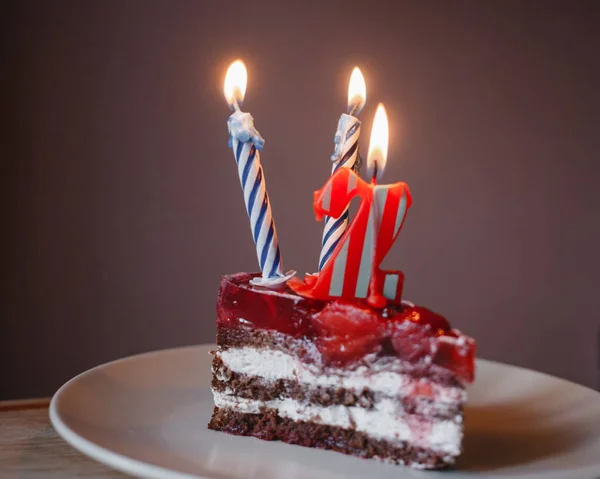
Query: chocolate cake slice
[(387, 384)]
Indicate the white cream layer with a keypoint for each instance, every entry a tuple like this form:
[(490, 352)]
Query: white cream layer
[(384, 421), (272, 365)]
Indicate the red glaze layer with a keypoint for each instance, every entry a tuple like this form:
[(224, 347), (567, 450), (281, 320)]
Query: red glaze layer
[(346, 331)]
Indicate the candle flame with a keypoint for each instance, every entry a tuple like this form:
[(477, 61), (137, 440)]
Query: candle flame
[(378, 146), (357, 92), (235, 83)]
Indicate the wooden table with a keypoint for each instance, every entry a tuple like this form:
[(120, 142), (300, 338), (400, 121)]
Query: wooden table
[(30, 447)]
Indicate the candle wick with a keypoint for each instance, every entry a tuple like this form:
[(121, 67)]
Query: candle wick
[(235, 104), (374, 178), (352, 108)]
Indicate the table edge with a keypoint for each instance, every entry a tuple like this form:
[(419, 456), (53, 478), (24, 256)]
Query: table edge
[(23, 404)]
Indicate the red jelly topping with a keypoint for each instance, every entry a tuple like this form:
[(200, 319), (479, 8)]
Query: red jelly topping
[(347, 331), (240, 303)]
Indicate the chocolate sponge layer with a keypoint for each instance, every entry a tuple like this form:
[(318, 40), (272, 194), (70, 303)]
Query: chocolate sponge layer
[(269, 426)]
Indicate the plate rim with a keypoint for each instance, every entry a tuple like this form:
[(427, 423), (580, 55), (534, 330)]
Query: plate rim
[(140, 468), (112, 459)]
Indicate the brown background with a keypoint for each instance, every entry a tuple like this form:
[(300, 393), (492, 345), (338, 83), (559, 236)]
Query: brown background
[(122, 207)]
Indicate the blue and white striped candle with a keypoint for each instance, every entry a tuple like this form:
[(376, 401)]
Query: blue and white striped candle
[(246, 142), (344, 155)]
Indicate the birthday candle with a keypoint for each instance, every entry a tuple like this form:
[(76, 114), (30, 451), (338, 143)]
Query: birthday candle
[(344, 155), (246, 143)]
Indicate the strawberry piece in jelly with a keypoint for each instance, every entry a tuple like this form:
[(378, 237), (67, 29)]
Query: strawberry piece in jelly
[(457, 354), (347, 332), (411, 341)]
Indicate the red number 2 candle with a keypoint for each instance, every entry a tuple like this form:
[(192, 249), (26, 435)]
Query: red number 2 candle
[(353, 269)]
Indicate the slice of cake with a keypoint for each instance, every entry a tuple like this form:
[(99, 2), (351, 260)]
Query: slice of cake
[(387, 384)]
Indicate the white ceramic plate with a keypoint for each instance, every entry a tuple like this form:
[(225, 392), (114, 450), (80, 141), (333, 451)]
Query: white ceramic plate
[(147, 415)]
